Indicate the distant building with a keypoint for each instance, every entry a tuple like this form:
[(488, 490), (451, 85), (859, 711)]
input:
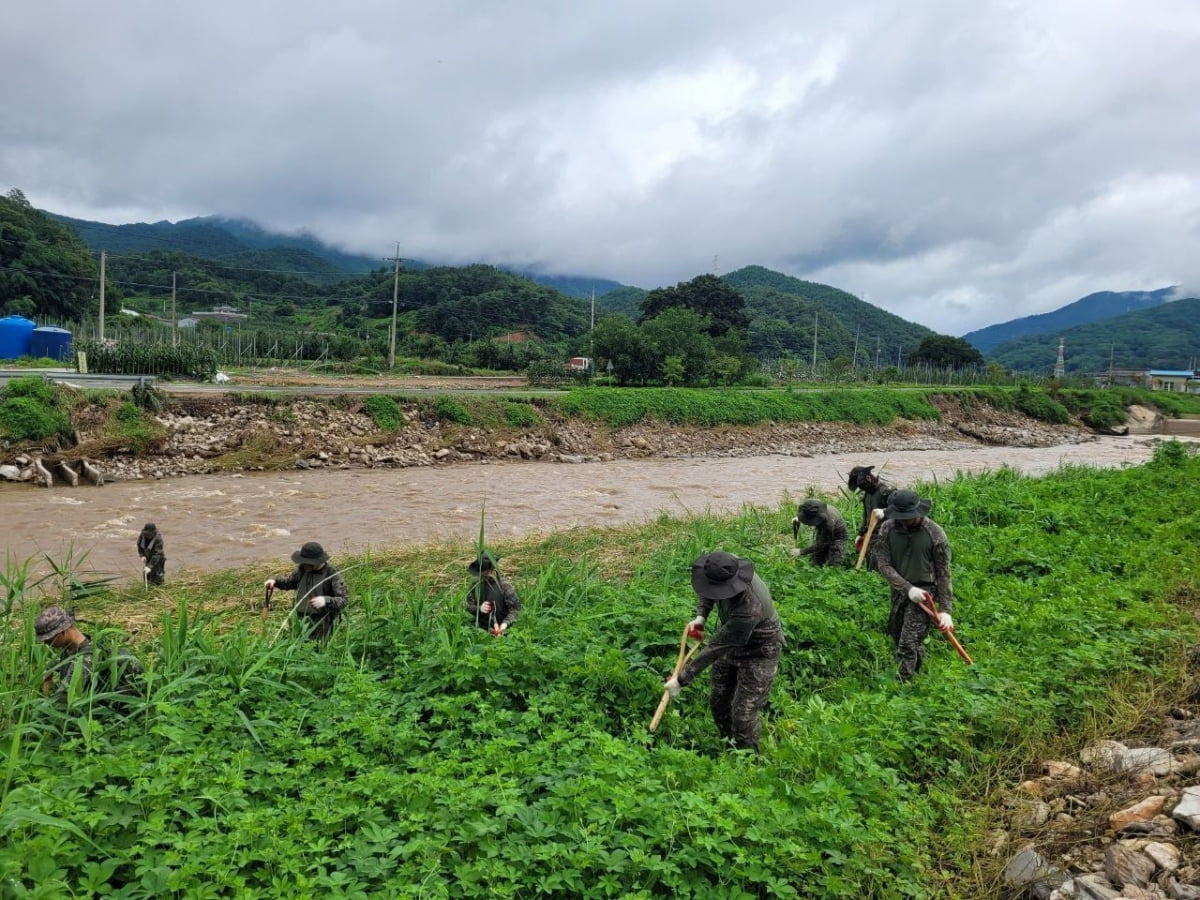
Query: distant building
[(579, 364), (1176, 381), (220, 314), (188, 323), (1124, 377)]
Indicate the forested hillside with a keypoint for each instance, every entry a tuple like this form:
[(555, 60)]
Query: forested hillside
[(1092, 308), (45, 269), (791, 320), (1162, 337)]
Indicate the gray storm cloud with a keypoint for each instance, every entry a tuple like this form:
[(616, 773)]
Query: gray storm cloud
[(957, 164)]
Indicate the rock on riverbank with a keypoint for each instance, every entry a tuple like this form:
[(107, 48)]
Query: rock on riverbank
[(207, 434)]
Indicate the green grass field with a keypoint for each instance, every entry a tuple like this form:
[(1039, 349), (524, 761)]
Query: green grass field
[(416, 756)]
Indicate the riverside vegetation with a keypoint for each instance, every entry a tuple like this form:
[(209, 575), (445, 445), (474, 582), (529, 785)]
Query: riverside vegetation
[(145, 431), (414, 756)]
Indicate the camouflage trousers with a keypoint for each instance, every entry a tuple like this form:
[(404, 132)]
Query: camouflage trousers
[(740, 688), (908, 625)]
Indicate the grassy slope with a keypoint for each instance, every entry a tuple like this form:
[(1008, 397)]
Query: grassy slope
[(416, 756)]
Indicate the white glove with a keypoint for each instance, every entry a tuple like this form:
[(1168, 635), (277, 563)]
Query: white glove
[(945, 622), (318, 602), (794, 553), (697, 622), (916, 595), (485, 606), (269, 583), (146, 569), (878, 513), (795, 523), (673, 687)]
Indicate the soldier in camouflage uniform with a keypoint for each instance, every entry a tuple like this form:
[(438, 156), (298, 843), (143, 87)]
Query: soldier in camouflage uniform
[(913, 555), (320, 590), (150, 549), (875, 494), (744, 653), (829, 539), (81, 667), (492, 601)]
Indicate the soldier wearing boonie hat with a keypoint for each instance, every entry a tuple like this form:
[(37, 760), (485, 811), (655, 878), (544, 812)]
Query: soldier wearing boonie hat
[(912, 553), (875, 493), (491, 600), (744, 652), (56, 627), (320, 590), (829, 536)]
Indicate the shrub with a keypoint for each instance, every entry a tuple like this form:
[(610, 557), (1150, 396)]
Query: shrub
[(451, 410), (384, 412), (522, 415), (28, 419)]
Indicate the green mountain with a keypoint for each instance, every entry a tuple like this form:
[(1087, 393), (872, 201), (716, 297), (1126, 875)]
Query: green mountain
[(783, 310), (1166, 336), (1092, 308)]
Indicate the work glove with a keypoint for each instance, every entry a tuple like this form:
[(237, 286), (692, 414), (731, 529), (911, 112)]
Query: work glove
[(485, 606), (878, 514), (916, 595), (795, 552), (945, 622), (696, 628), (318, 602), (858, 543), (795, 525), (269, 584), (673, 687), (146, 569), (500, 629)]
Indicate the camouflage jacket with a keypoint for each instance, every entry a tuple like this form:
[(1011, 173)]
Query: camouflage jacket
[(324, 582), (750, 627), (920, 557), (152, 550), (829, 535), (505, 602)]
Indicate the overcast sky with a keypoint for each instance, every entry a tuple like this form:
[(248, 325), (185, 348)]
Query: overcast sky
[(957, 163)]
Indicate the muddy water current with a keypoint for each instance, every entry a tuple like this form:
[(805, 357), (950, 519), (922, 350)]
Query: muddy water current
[(219, 521)]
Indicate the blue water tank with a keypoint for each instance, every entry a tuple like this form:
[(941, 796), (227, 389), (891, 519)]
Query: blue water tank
[(53, 343), (16, 333)]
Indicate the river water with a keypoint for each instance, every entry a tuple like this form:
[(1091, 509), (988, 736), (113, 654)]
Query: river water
[(219, 521)]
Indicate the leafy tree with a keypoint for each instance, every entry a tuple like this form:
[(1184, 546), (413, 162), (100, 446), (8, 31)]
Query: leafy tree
[(947, 352), (619, 341), (43, 261), (705, 295), (681, 333)]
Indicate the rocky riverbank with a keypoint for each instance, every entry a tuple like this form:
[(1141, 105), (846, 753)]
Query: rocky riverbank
[(221, 434), (1122, 823)]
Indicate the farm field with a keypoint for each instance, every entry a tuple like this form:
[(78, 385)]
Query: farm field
[(416, 756)]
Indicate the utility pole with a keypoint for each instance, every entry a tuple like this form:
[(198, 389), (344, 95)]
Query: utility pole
[(395, 301), (814, 362), (102, 258), (174, 315), (592, 335), (854, 361)]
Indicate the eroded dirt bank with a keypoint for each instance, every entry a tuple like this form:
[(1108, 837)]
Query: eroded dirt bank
[(219, 434)]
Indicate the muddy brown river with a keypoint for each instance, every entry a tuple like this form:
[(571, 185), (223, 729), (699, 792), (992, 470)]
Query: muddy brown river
[(219, 521)]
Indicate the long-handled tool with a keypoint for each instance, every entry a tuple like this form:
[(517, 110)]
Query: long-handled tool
[(682, 660), (875, 517), (931, 610), (266, 605)]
